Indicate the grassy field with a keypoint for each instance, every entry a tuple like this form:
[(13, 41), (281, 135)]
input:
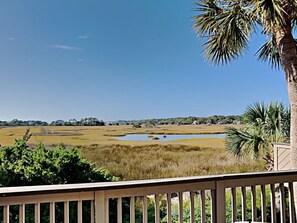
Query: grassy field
[(162, 161), (131, 160)]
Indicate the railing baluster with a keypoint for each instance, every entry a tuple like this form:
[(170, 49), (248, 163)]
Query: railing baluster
[(273, 205), (120, 210), (132, 209), (213, 206), (291, 203), (37, 213), (6, 214), (168, 200), (253, 201), (101, 209), (144, 209), (22, 213), (92, 204), (157, 209), (52, 212), (243, 203), (282, 203), (180, 207), (263, 204), (79, 212), (106, 206), (203, 209), (192, 207), (220, 202), (233, 204), (66, 212)]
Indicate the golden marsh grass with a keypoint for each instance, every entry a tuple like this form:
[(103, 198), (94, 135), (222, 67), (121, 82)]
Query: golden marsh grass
[(133, 160), (162, 161)]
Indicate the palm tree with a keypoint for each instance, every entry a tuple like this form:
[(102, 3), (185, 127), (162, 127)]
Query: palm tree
[(228, 25), (265, 124)]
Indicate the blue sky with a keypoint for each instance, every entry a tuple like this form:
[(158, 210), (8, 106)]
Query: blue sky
[(120, 59)]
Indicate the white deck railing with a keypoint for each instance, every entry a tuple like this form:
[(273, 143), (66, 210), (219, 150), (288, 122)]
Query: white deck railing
[(244, 190)]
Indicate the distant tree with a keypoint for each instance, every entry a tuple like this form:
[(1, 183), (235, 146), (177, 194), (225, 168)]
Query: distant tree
[(39, 123), (3, 123), (14, 122), (136, 125), (150, 123), (91, 122), (58, 123)]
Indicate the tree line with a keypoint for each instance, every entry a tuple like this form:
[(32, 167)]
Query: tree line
[(91, 121), (191, 120), (72, 122)]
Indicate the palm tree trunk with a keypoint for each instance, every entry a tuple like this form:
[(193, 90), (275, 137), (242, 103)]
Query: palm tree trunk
[(288, 55), (292, 90)]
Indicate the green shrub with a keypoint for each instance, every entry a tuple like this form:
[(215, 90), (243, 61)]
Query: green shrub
[(24, 166)]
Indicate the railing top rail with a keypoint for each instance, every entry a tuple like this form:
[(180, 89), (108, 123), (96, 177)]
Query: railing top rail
[(83, 187)]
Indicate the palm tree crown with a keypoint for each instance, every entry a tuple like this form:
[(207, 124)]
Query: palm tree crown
[(265, 124), (228, 25)]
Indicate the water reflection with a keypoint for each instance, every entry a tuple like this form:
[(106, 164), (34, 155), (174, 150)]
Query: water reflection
[(145, 137)]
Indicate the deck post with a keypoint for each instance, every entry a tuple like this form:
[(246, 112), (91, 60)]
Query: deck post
[(220, 202), (100, 207)]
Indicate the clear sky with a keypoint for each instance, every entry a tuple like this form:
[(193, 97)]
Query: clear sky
[(119, 59)]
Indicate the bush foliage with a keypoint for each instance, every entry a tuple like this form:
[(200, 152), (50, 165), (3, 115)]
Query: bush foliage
[(21, 165)]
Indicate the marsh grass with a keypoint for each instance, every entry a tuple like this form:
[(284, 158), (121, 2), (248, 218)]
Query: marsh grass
[(165, 161), (135, 160)]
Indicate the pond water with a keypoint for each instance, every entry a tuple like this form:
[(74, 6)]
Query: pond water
[(145, 137)]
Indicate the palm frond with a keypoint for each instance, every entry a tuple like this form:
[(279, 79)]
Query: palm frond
[(272, 14), (241, 142), (274, 117), (236, 140), (255, 113), (286, 125), (228, 28), (218, 51), (269, 53), (277, 124), (205, 21)]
